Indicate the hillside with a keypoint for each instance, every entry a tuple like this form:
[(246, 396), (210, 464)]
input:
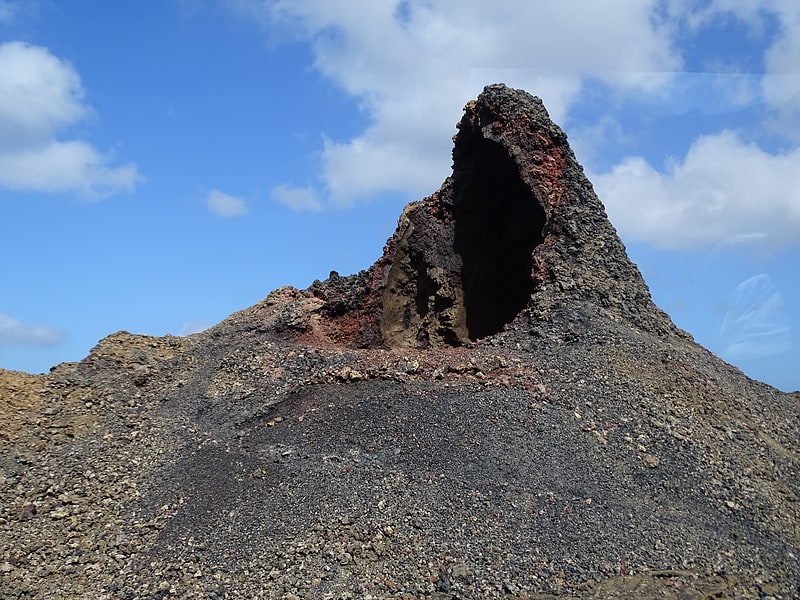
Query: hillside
[(494, 409)]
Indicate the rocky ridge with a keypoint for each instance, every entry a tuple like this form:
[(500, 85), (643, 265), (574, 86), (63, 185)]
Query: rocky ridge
[(495, 409)]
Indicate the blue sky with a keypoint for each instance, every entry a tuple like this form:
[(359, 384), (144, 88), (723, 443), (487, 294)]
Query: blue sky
[(165, 163)]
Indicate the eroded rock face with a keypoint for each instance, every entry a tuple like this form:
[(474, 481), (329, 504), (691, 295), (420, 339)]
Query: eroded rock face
[(515, 232), (463, 265), (423, 301)]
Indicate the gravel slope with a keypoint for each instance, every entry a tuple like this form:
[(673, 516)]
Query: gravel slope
[(612, 462)]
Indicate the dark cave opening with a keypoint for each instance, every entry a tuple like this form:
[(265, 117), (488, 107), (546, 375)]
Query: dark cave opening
[(498, 223)]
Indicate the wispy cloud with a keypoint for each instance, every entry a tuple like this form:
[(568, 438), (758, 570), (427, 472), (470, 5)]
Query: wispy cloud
[(13, 332), (224, 205), (191, 327), (298, 198), (40, 96), (15, 11), (756, 323), (7, 11)]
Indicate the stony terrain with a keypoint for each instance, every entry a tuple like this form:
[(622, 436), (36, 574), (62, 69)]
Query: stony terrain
[(495, 409)]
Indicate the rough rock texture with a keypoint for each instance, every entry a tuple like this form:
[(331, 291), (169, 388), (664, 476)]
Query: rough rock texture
[(495, 409)]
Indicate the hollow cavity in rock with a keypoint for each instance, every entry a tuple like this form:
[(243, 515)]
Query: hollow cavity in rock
[(498, 223)]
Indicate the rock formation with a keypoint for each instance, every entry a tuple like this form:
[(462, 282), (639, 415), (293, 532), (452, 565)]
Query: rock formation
[(516, 228), (494, 409)]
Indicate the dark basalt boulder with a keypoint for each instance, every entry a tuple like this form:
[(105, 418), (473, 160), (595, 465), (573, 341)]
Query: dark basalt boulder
[(494, 409)]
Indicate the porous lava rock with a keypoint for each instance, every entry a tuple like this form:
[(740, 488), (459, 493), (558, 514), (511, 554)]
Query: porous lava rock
[(494, 409)]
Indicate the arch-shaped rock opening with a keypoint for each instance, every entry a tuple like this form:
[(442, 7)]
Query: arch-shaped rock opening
[(498, 223)]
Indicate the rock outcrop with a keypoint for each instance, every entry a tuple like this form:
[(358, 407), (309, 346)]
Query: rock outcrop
[(494, 409), (516, 231)]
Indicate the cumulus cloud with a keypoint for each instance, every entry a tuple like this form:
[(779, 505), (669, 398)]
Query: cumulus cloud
[(413, 64), (40, 96), (73, 166), (298, 198), (13, 332), (224, 205), (723, 188)]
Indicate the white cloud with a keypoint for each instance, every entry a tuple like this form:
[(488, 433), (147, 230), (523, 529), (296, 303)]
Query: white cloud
[(412, 66), (14, 11), (224, 205), (40, 95), (781, 84), (723, 188), (12, 332), (297, 198), (65, 167)]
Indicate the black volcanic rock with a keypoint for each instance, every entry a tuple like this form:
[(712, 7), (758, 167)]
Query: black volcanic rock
[(495, 409)]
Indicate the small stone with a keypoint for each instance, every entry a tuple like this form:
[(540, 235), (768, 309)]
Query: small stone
[(443, 585), (651, 461), (59, 513), (348, 374), (52, 409), (27, 512), (510, 587), (460, 571)]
